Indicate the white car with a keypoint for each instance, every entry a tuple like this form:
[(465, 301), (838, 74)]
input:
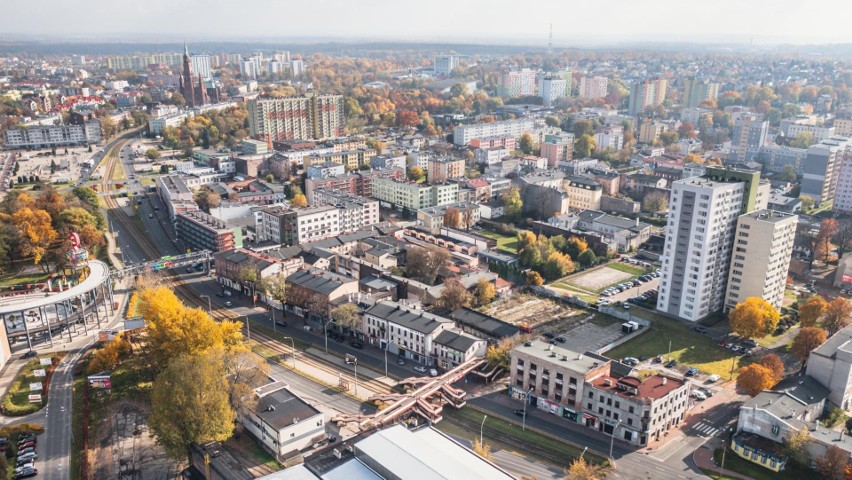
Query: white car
[(713, 378), (420, 368), (433, 372), (698, 395)]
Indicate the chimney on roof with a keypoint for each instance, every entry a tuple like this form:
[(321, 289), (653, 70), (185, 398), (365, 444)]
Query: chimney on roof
[(665, 380)]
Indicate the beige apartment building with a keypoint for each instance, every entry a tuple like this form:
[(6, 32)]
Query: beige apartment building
[(442, 169), (583, 193), (763, 245)]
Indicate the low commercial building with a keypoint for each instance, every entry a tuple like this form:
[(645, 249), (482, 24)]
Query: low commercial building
[(553, 378), (404, 330), (483, 326), (283, 422), (766, 421), (311, 294), (202, 231), (628, 234), (451, 348), (639, 411), (433, 218)]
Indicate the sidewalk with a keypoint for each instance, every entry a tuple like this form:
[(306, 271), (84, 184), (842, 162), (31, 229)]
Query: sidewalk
[(703, 457)]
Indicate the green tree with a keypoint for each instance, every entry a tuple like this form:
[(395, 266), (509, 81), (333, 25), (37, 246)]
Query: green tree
[(416, 174), (583, 127), (802, 140), (177, 99), (346, 315), (152, 153), (275, 287), (655, 202), (190, 404), (796, 446), (669, 137), (557, 265), (87, 196), (584, 146), (576, 246), (587, 258), (807, 202), (512, 203), (788, 173), (526, 143)]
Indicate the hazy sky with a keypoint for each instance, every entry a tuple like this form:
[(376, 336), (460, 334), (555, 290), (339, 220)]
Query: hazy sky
[(574, 21)]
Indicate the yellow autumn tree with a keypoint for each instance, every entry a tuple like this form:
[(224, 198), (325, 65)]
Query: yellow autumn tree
[(36, 232), (753, 318), (173, 329)]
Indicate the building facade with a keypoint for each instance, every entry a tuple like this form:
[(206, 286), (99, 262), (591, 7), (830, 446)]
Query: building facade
[(464, 134), (648, 93), (821, 170), (201, 231), (516, 83), (699, 238), (748, 136), (761, 257), (696, 91), (300, 117), (593, 87)]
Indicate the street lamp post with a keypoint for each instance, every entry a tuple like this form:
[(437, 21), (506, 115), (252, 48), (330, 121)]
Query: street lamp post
[(294, 350), (480, 430), (325, 332), (612, 439), (526, 402), (209, 305)]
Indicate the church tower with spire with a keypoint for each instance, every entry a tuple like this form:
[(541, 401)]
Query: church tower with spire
[(187, 82)]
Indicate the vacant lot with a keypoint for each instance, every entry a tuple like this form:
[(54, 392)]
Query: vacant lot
[(597, 280), (687, 347), (530, 310)]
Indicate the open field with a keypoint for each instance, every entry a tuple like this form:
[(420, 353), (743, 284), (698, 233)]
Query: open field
[(687, 347), (598, 279)]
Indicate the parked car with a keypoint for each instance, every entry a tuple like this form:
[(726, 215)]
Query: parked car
[(520, 412), (29, 354), (671, 363), (433, 372), (357, 345), (706, 391), (27, 456), (699, 330), (548, 335), (691, 372), (400, 362), (26, 473), (26, 450), (27, 444), (632, 361), (420, 369), (229, 303), (560, 339), (281, 323), (713, 378), (698, 395)]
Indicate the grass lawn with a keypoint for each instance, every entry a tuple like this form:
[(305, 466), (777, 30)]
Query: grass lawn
[(16, 401), (8, 279), (626, 268), (687, 347), (740, 465), (263, 456), (497, 428), (118, 172), (506, 243), (768, 340)]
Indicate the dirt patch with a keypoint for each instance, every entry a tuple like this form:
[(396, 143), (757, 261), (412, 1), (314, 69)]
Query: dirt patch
[(125, 448), (530, 310), (599, 279)]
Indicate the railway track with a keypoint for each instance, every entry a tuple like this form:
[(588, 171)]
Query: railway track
[(194, 298)]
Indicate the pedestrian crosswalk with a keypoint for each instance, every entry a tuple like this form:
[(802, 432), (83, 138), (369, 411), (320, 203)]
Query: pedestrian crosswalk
[(706, 429)]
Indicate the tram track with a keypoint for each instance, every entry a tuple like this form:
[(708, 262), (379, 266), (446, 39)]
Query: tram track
[(194, 298)]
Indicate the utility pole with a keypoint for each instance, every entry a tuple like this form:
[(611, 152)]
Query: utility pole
[(483, 426)]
